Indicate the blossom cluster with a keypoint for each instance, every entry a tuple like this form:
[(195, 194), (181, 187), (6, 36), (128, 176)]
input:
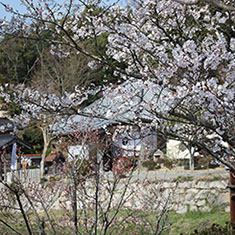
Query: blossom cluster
[(182, 54)]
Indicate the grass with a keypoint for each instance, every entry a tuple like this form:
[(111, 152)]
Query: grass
[(195, 220), (178, 223), (183, 178)]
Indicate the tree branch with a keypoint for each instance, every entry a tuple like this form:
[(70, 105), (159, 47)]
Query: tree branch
[(211, 2), (9, 226)]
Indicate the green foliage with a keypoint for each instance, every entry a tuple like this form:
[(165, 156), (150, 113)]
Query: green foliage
[(214, 222), (11, 108), (54, 178), (184, 178), (49, 150), (19, 55), (33, 167), (30, 62), (103, 74), (216, 229), (17, 58), (33, 136), (150, 165), (188, 223), (86, 167), (168, 163), (204, 162)]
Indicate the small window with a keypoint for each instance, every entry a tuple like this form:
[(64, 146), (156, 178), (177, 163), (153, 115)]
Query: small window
[(125, 141)]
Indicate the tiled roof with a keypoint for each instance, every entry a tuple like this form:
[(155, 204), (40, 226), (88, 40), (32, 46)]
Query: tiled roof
[(32, 156), (51, 157), (126, 102), (9, 139)]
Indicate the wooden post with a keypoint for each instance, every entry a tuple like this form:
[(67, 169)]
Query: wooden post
[(232, 191), (232, 196), (5, 171), (1, 170)]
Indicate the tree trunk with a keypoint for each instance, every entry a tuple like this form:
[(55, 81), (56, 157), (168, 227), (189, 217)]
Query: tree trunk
[(5, 171), (45, 148), (43, 156), (74, 200), (191, 160)]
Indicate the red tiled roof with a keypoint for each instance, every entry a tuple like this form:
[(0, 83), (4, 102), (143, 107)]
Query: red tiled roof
[(31, 155), (51, 157)]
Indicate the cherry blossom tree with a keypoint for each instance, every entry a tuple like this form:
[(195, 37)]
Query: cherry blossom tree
[(212, 2), (183, 54), (189, 53), (84, 200), (184, 51), (42, 109)]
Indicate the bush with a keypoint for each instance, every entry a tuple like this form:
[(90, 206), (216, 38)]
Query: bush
[(87, 167), (217, 229), (150, 165), (168, 163), (33, 167)]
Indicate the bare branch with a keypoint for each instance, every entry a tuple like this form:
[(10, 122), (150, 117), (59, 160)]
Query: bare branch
[(9, 226)]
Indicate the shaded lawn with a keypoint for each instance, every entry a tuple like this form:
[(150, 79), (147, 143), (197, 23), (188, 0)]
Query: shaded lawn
[(195, 220), (178, 223)]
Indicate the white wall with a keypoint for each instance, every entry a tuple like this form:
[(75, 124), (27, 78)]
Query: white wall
[(174, 151), (78, 151)]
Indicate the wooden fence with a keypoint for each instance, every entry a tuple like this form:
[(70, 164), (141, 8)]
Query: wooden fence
[(31, 175)]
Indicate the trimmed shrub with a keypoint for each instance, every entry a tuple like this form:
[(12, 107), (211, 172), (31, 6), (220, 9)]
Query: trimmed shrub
[(150, 165)]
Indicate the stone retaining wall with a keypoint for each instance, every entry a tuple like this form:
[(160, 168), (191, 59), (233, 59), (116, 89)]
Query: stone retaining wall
[(185, 194), (200, 194)]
